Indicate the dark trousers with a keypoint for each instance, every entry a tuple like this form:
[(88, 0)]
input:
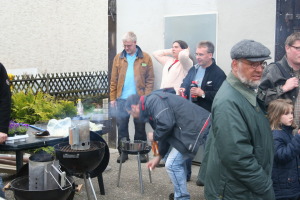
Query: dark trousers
[(122, 117)]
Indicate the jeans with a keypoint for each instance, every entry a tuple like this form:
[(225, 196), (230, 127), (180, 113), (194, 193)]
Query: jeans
[(188, 163), (2, 194), (122, 117), (176, 168)]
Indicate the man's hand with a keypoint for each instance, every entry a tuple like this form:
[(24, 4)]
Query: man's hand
[(3, 137), (154, 162), (150, 136), (180, 90), (195, 91), (113, 104), (290, 84)]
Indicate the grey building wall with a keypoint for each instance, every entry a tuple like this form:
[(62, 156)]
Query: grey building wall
[(53, 35)]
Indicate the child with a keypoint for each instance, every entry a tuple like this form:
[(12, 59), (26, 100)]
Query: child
[(285, 174)]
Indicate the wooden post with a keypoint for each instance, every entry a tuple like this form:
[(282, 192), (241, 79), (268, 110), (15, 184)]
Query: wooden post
[(112, 30)]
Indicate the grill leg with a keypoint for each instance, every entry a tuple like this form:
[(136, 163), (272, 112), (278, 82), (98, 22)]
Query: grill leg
[(140, 174), (120, 168), (101, 184), (86, 187), (149, 169), (92, 187)]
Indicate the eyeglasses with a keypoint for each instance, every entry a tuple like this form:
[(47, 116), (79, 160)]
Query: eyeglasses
[(297, 48), (254, 65), (200, 54), (127, 46)]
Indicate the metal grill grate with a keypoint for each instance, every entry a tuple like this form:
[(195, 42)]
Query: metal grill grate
[(67, 148)]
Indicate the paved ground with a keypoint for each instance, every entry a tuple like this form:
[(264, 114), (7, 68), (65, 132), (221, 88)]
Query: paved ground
[(159, 189)]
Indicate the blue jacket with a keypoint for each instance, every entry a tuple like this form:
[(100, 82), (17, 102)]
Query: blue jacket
[(286, 174), (175, 122), (212, 81)]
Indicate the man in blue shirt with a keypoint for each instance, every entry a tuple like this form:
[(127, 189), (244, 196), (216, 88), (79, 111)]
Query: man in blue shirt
[(132, 73)]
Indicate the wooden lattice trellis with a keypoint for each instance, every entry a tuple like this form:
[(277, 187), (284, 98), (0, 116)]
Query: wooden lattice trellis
[(64, 85)]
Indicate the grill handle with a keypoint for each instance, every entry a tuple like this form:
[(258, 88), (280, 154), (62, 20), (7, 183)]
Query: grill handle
[(67, 155), (63, 177)]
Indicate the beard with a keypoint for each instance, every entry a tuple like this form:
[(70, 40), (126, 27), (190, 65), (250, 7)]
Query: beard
[(244, 80)]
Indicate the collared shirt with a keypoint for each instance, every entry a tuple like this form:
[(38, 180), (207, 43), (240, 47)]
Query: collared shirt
[(199, 75), (247, 92), (129, 87)]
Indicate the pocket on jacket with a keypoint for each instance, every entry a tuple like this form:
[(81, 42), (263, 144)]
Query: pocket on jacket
[(285, 181)]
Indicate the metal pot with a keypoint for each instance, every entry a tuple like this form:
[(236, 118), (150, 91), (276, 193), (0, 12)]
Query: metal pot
[(20, 187), (135, 146), (80, 161)]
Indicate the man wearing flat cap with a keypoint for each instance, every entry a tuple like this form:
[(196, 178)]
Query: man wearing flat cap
[(239, 154), (281, 79)]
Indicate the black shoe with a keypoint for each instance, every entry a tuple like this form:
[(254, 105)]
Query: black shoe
[(199, 183), (143, 158), (161, 163), (124, 158), (171, 196)]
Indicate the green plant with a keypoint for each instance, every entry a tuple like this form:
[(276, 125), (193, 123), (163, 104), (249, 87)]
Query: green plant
[(48, 149), (11, 132), (22, 128), (30, 108)]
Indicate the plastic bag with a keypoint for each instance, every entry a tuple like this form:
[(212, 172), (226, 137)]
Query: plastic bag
[(59, 127)]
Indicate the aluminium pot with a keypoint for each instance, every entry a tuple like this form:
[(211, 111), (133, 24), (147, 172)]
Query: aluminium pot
[(20, 187)]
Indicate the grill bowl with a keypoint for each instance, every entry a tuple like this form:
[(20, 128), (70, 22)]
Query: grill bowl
[(20, 187), (135, 146), (80, 161)]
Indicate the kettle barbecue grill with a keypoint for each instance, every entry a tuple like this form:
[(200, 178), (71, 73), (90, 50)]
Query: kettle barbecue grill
[(80, 156)]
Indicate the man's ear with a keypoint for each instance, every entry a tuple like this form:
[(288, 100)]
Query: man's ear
[(234, 66)]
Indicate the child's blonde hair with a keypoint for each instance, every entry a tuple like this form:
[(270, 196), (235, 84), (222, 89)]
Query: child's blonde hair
[(276, 109)]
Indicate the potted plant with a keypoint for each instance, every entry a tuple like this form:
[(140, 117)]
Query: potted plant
[(22, 129), (12, 129)]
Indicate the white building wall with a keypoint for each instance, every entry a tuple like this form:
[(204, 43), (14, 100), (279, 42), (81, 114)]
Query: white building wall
[(49, 36), (237, 20)]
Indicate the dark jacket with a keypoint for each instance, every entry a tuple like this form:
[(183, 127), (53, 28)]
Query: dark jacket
[(239, 151), (5, 100), (212, 81), (271, 81), (286, 172), (175, 121)]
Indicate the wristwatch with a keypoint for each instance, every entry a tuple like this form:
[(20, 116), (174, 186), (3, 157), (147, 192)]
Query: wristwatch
[(203, 95), (280, 89)]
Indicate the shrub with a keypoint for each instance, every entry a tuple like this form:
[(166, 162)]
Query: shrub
[(30, 108)]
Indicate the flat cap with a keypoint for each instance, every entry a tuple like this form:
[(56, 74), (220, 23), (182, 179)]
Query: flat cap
[(250, 50)]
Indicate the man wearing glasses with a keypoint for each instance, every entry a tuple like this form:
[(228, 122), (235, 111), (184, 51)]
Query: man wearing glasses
[(208, 75), (281, 79), (132, 73), (239, 151)]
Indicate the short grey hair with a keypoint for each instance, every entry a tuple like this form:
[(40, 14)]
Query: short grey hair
[(129, 36), (209, 45)]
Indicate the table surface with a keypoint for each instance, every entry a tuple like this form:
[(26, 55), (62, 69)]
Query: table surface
[(32, 142)]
